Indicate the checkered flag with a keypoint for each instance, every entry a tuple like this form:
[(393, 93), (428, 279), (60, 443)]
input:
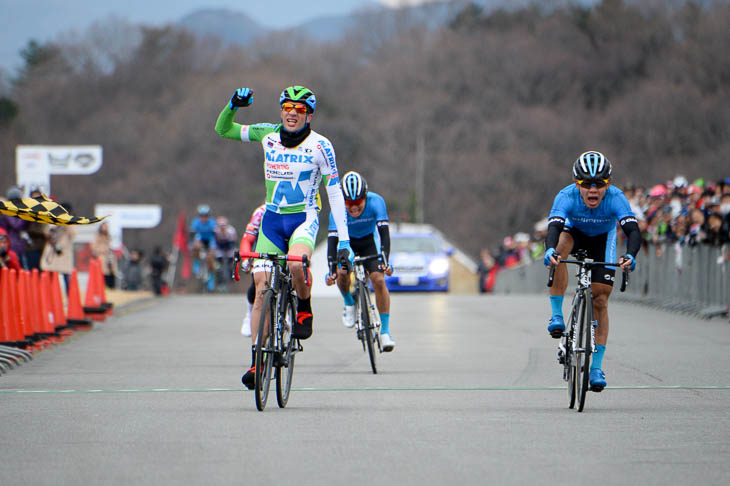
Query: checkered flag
[(41, 209)]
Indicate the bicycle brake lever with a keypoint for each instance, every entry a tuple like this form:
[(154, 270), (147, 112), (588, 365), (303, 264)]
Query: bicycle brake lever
[(236, 261)]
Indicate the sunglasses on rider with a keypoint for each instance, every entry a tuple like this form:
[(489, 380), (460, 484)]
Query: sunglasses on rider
[(588, 183), (299, 108), (356, 202)]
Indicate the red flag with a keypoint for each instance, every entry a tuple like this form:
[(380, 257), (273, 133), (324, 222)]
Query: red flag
[(180, 241)]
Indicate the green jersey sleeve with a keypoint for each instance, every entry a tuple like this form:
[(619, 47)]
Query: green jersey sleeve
[(227, 128)]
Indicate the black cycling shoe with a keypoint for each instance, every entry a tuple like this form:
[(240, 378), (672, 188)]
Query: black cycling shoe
[(303, 327), (249, 377)]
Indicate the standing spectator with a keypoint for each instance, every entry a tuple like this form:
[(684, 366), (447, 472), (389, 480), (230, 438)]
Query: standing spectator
[(37, 239), (486, 264), (58, 254), (133, 271), (715, 235), (8, 258), (101, 248), (158, 263), (15, 227)]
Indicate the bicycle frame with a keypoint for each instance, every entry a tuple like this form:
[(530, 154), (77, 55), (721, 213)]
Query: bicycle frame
[(577, 343), (278, 352)]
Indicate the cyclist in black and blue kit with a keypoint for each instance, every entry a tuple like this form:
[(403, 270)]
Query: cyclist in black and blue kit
[(366, 213), (584, 217)]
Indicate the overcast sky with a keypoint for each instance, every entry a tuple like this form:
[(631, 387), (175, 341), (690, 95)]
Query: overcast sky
[(44, 19)]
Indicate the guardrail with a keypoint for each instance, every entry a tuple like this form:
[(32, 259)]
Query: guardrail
[(688, 279)]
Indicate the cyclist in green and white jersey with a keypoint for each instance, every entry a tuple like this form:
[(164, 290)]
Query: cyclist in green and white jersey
[(297, 159)]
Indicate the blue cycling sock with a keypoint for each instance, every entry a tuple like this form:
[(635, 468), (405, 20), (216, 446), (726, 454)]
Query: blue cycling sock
[(556, 302), (384, 323), (597, 360), (348, 298)]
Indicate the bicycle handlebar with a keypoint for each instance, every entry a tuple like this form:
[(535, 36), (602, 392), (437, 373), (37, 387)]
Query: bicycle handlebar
[(624, 279), (274, 257)]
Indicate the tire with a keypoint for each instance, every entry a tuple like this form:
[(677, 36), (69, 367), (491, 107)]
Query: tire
[(285, 368), (584, 357), (368, 328), (264, 352)]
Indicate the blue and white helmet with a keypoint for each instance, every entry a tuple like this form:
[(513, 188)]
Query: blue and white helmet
[(592, 165), (354, 186)]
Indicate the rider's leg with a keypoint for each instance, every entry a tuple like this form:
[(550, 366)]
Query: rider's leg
[(303, 327), (560, 284), (343, 284), (260, 279), (601, 292), (382, 300)]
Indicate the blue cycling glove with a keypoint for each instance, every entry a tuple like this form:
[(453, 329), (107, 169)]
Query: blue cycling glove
[(242, 97), (633, 261), (345, 252), (548, 253)]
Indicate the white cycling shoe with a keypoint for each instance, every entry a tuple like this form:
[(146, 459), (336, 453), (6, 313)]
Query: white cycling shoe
[(348, 316), (387, 343), (246, 326)]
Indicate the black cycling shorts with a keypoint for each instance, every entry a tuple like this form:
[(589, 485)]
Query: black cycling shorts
[(600, 248), (365, 247)]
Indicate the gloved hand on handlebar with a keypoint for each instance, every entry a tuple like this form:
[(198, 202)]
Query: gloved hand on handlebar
[(549, 253), (246, 265), (344, 252), (242, 97), (629, 257)]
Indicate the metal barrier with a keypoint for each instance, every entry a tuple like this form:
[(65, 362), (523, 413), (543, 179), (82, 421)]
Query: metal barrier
[(689, 279)]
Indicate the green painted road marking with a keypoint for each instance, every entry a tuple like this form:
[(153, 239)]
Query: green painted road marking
[(362, 389)]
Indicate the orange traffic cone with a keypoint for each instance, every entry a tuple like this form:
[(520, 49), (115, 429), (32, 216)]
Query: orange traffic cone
[(57, 304), (25, 305), (75, 315), (92, 301), (102, 286), (49, 325), (14, 324), (4, 305), (36, 310)]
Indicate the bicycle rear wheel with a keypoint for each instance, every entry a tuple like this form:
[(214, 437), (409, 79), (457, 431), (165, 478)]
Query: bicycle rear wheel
[(264, 350), (583, 360), (285, 367), (368, 327)]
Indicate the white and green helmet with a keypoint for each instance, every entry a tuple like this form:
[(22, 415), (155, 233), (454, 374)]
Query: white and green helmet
[(300, 94)]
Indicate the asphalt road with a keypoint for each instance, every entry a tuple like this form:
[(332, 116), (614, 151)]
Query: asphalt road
[(471, 395)]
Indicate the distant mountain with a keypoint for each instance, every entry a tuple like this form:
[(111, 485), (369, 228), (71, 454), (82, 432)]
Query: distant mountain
[(230, 26)]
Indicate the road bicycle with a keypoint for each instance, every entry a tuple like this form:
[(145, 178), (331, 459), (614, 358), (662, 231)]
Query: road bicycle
[(367, 319), (275, 351), (578, 341)]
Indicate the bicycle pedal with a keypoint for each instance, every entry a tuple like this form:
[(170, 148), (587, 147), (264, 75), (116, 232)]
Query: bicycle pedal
[(556, 334), (597, 389)]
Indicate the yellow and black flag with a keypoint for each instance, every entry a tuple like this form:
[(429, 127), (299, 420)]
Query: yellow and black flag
[(42, 210)]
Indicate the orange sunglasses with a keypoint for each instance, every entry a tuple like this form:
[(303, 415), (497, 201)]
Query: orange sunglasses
[(299, 108)]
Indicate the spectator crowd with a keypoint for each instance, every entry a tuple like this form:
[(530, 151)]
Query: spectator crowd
[(676, 212), (31, 245)]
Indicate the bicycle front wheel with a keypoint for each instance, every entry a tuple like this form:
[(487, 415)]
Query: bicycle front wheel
[(569, 365), (285, 367), (264, 350), (583, 361), (368, 327)]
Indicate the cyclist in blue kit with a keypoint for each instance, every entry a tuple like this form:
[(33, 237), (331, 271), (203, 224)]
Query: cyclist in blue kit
[(366, 213), (584, 216)]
